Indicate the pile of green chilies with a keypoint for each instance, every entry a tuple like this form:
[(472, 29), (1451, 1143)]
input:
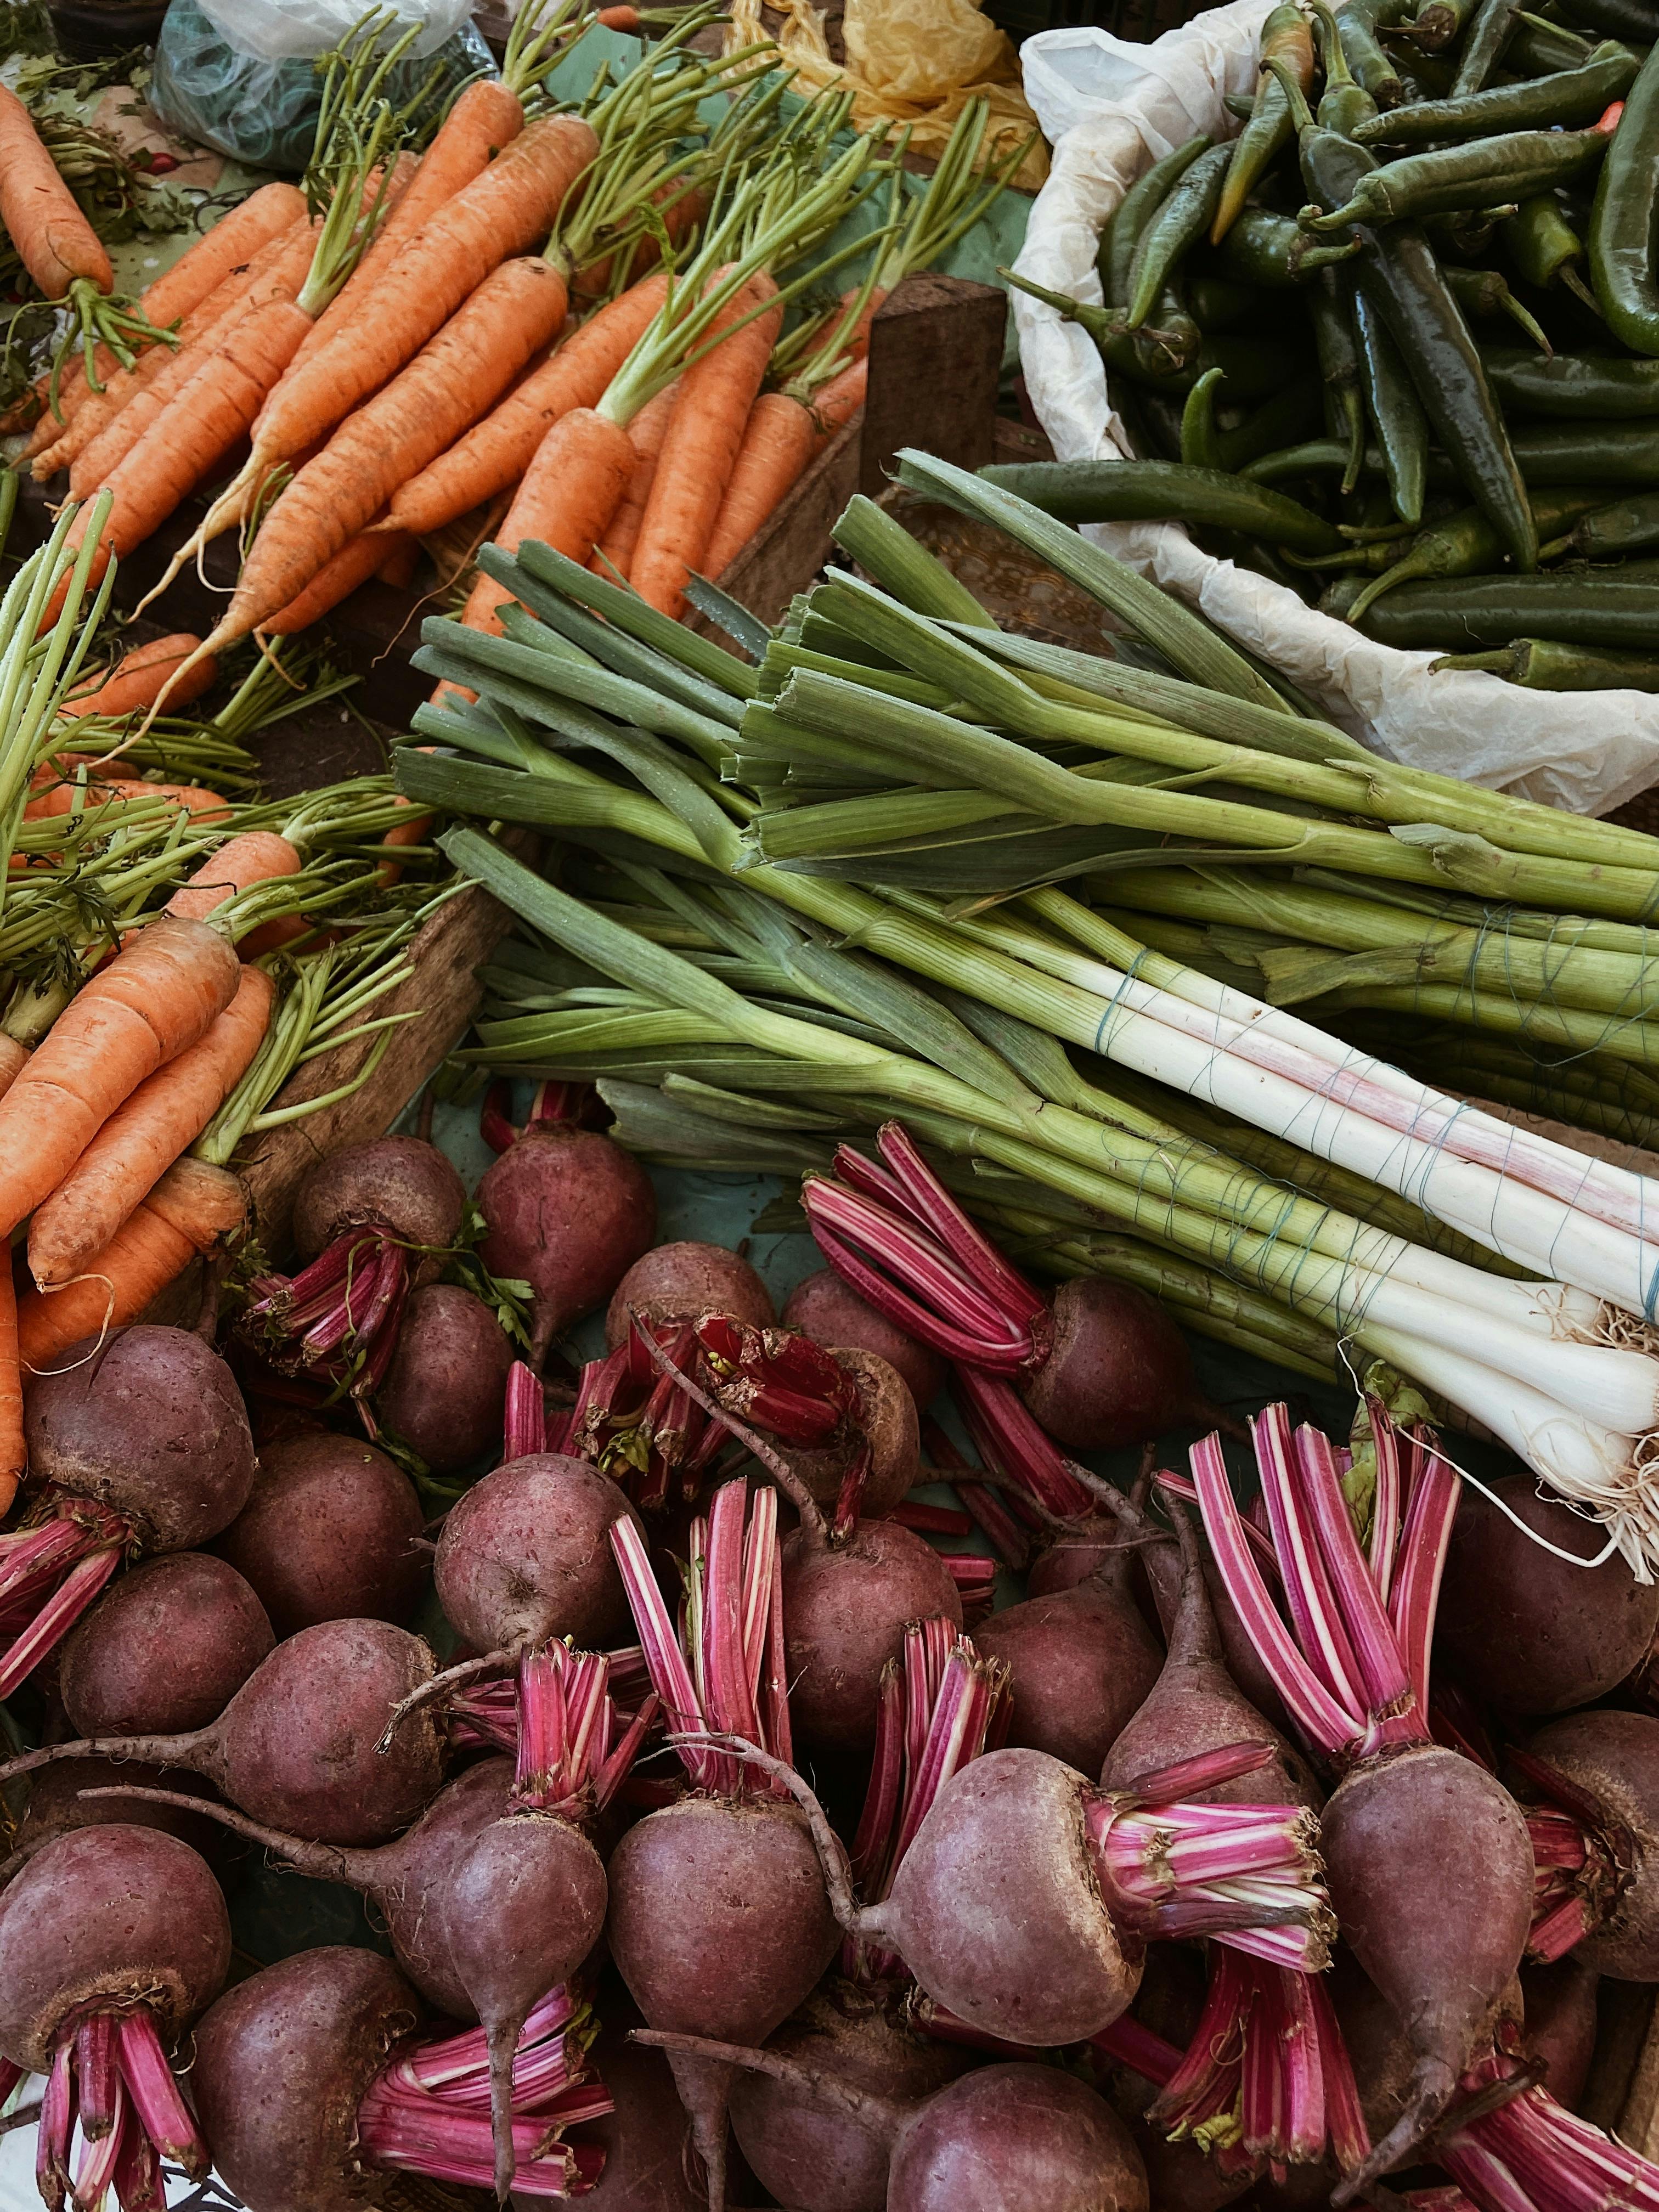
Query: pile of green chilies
[(1401, 353)]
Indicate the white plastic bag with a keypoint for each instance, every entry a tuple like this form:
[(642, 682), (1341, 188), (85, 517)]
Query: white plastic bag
[(1109, 110), (300, 30)]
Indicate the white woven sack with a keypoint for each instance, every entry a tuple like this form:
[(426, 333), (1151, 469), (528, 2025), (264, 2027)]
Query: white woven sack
[(1109, 109)]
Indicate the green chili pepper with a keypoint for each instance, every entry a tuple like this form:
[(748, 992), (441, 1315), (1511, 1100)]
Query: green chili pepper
[(1122, 351), (1177, 226), (1136, 209), (1330, 310), (1483, 293), (1615, 19), (1545, 248), (1201, 440), (1468, 233), (1397, 274), (1218, 304), (1465, 545), (1475, 613), (1396, 411), (1542, 663), (1345, 103), (1319, 456), (1294, 409), (1284, 37), (1477, 174), (1152, 491), (1274, 252), (1425, 76), (1163, 419), (1438, 23), (1494, 24), (1539, 47), (1573, 96), (1582, 387), (1589, 452), (1357, 21), (1629, 525), (1622, 221)]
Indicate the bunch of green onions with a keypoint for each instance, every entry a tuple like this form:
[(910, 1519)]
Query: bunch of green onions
[(888, 714)]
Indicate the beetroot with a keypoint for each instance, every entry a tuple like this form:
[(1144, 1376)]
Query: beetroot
[(681, 1282), (402, 1186), (1559, 2003), (644, 2139), (1601, 1770), (165, 1651), (447, 1386), (886, 1423), (1527, 1632), (1011, 2138), (111, 1939), (1194, 1706), (567, 1212), (845, 1607), (283, 2062), (833, 1314), (329, 1534), (141, 1442), (810, 2153), (297, 1746), (56, 1803), (1081, 1662)]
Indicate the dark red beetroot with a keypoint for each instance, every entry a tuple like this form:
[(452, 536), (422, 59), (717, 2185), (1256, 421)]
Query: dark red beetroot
[(647, 2154), (1609, 1764), (297, 1746), (1559, 2004), (447, 1386), (832, 1313), (329, 1534), (56, 1805), (283, 2062), (1012, 2138), (680, 1282), (141, 1442), (568, 1213), (111, 1941), (1081, 1662), (887, 1422), (1196, 1706), (402, 1185), (809, 2154), (1524, 1632), (165, 1651)]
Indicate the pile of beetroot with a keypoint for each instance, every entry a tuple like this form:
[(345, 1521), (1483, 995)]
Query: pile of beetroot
[(731, 1844)]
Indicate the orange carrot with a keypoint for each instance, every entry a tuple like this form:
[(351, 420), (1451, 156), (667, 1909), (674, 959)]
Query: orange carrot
[(779, 443), (276, 272), (700, 449), (682, 207), (496, 451), (515, 310), (503, 211), (571, 492), (192, 1208), (837, 403), (399, 556), (159, 994), (14, 1452), (142, 1139), (14, 1058), (54, 241), (648, 430), (357, 560), (200, 806), (257, 856), (486, 117), (223, 250), (137, 678)]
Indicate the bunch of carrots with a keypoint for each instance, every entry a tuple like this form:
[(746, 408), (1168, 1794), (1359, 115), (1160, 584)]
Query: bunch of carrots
[(171, 955)]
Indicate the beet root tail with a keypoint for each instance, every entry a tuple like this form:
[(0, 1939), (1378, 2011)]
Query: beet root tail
[(705, 2086), (1431, 2089)]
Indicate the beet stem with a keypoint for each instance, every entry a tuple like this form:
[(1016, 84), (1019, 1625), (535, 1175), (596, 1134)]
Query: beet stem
[(525, 1423), (1178, 1864), (56, 1617), (161, 2109), (96, 2078), (1008, 1437)]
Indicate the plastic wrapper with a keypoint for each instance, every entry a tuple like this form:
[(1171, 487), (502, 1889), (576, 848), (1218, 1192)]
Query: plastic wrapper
[(1109, 109), (240, 76), (915, 62)]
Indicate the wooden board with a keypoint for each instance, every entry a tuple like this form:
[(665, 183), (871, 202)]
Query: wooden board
[(935, 363)]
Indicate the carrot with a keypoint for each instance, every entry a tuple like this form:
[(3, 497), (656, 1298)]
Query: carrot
[(225, 250), (648, 430), (200, 806), (137, 678), (700, 449), (681, 207), (55, 242), (359, 559), (502, 212), (779, 443), (143, 1139), (399, 555), (496, 451), (191, 1208), (571, 492), (486, 117), (276, 272), (13, 1059), (515, 310), (159, 994), (257, 856), (837, 403), (14, 1452)]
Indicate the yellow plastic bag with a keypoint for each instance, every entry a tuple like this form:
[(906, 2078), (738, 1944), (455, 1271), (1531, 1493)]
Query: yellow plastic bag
[(918, 62)]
